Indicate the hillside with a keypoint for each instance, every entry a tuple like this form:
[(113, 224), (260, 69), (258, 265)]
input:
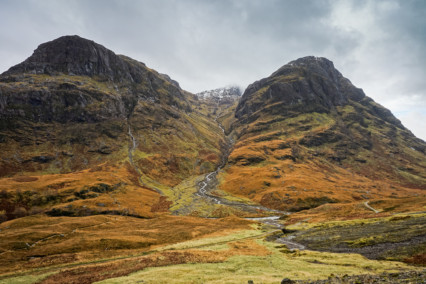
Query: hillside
[(305, 136), (80, 124)]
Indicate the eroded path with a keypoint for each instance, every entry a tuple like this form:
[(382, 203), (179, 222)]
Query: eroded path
[(371, 208)]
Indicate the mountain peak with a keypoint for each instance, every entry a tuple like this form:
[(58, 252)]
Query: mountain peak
[(74, 55), (314, 65), (308, 84), (312, 60)]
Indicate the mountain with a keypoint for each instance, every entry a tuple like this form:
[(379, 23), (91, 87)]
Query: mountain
[(76, 107), (306, 136)]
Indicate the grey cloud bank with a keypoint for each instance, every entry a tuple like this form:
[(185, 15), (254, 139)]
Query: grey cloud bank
[(379, 45)]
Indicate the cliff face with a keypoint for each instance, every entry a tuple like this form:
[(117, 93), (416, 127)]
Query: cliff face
[(74, 79)]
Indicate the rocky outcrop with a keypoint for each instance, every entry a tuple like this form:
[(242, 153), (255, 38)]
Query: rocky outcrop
[(74, 55), (308, 84), (84, 82)]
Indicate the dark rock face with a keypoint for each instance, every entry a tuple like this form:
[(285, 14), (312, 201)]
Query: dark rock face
[(74, 55), (59, 104), (117, 84), (308, 84)]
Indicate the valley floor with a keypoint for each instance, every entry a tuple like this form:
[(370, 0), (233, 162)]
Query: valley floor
[(197, 250)]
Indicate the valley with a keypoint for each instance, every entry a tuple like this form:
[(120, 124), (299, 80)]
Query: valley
[(111, 173)]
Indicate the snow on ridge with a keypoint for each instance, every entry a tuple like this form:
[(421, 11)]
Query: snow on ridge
[(220, 93)]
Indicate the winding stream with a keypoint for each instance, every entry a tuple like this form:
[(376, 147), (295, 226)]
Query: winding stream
[(210, 182)]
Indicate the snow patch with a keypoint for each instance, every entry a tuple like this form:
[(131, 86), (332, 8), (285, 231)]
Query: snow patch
[(221, 93)]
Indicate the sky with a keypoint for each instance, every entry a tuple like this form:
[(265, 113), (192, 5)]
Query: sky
[(379, 45)]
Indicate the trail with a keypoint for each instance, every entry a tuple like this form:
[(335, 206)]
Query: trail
[(369, 207)]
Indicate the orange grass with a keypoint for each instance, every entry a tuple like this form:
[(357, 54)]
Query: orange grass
[(284, 176), (39, 241), (126, 194)]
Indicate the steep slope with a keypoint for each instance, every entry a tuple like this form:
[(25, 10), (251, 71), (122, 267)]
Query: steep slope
[(306, 136), (76, 108)]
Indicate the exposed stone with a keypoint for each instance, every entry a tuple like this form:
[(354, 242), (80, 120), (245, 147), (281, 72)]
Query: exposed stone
[(287, 281)]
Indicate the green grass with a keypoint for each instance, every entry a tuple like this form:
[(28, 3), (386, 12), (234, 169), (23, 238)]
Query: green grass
[(25, 279), (280, 263), (214, 243)]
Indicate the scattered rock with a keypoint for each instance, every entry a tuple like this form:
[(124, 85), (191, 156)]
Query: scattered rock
[(287, 281)]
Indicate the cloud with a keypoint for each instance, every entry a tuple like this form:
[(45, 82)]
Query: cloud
[(378, 45)]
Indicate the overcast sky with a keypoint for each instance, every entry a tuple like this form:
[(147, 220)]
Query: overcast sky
[(379, 45)]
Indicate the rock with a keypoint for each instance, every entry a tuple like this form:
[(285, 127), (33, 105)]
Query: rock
[(287, 281), (42, 159), (287, 231)]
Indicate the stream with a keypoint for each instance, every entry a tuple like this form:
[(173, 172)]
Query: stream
[(131, 150), (209, 183), (285, 240)]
